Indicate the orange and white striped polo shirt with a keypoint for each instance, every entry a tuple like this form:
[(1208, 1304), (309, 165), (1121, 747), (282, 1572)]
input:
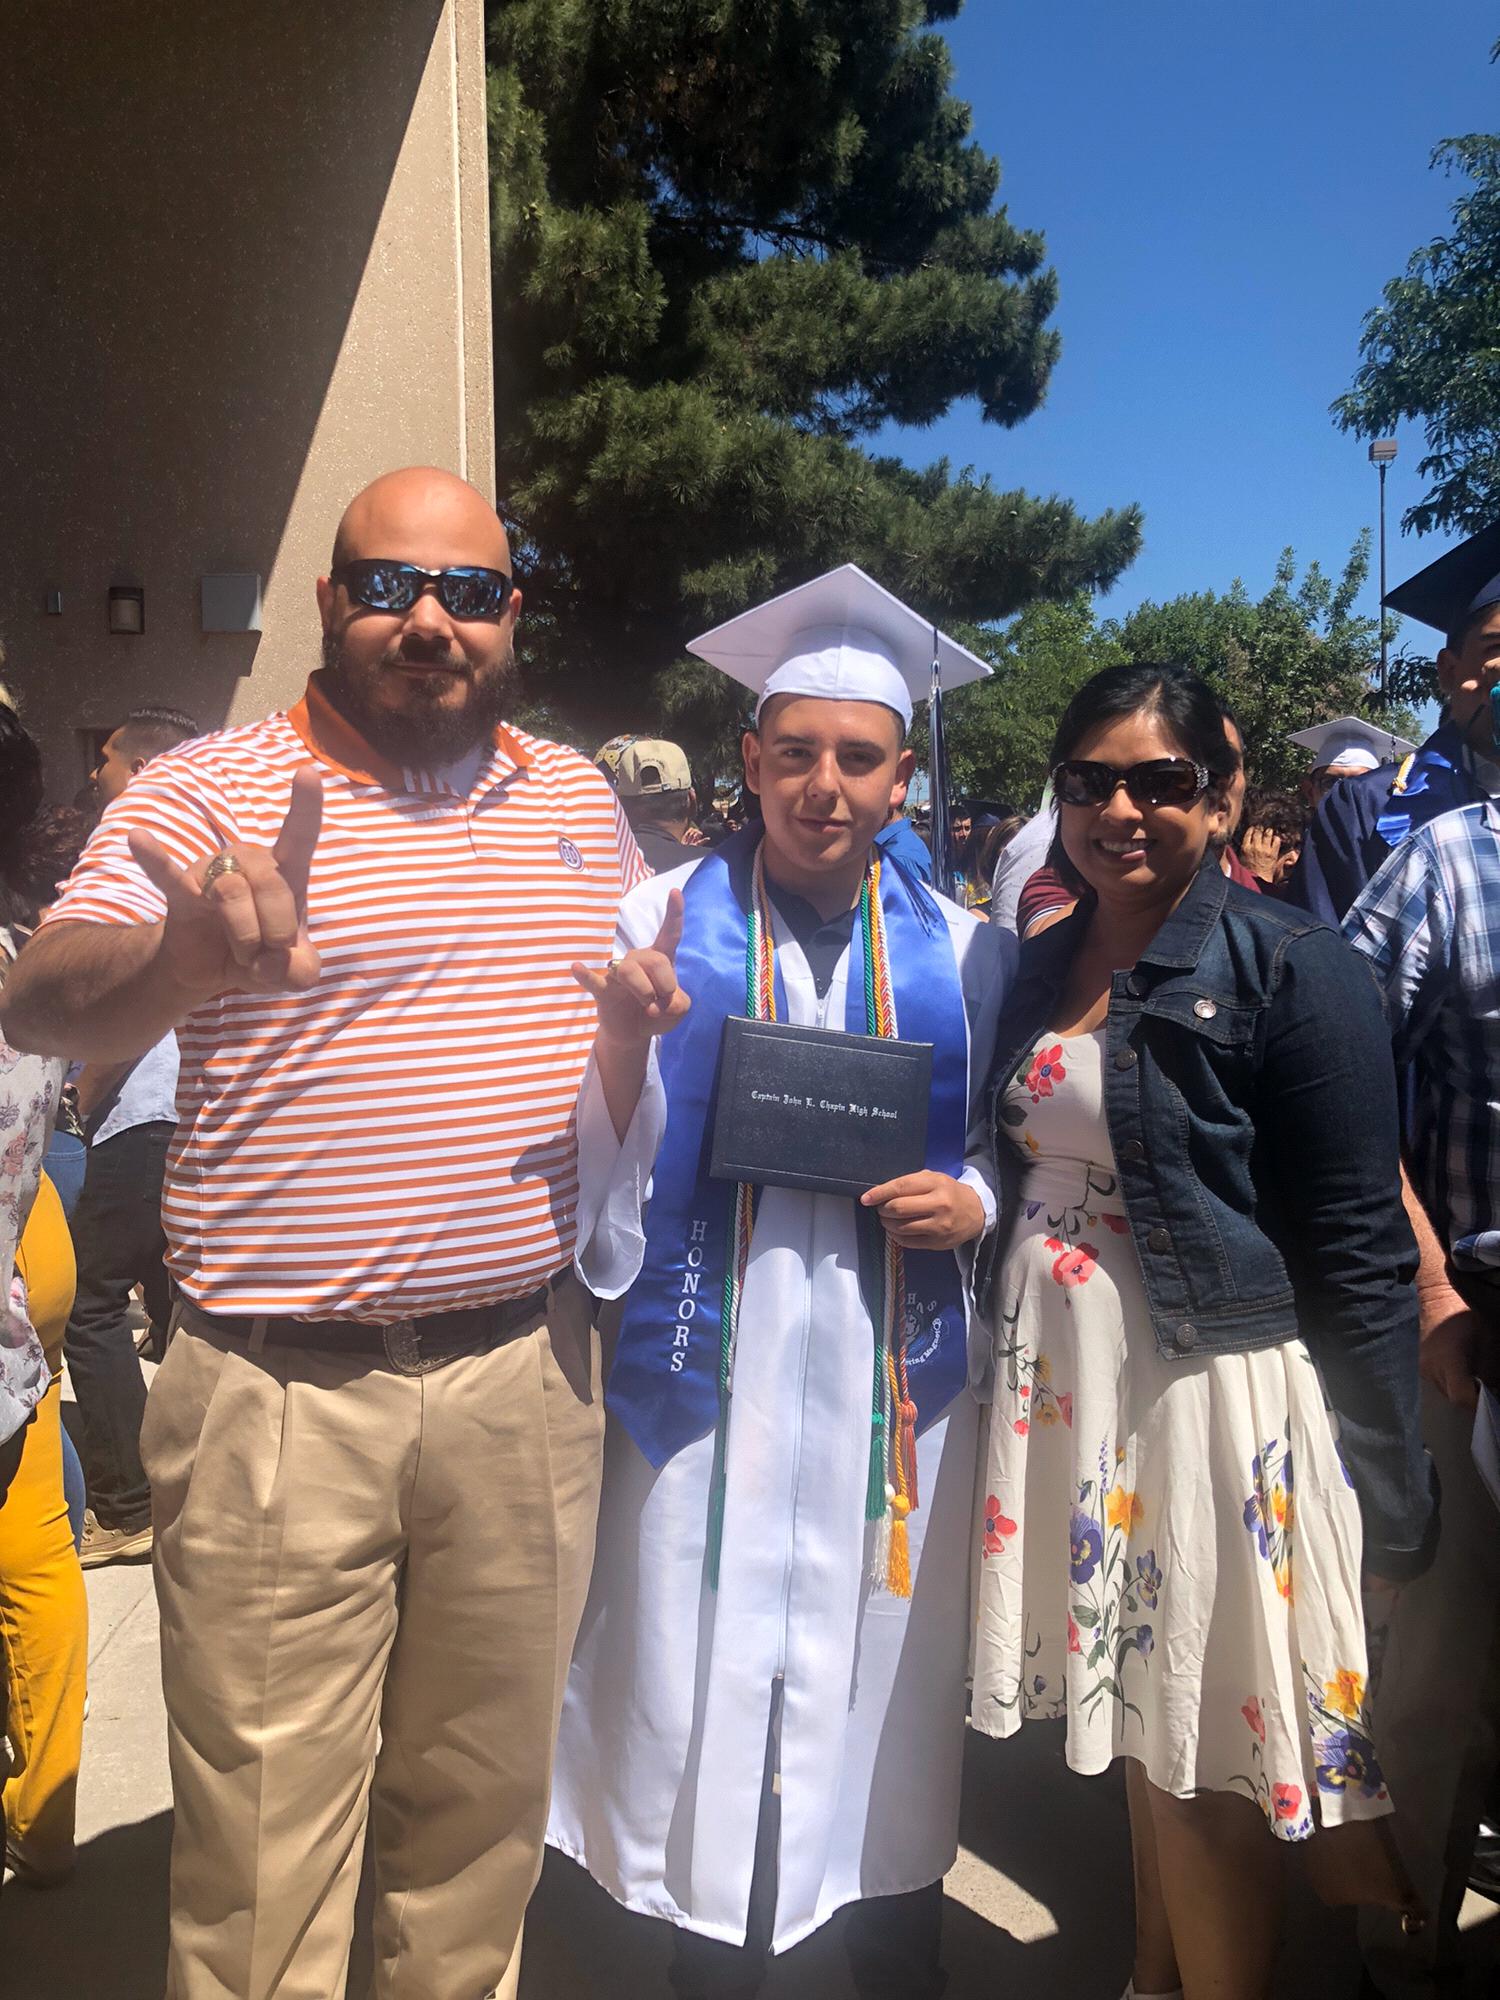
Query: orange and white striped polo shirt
[(401, 1139)]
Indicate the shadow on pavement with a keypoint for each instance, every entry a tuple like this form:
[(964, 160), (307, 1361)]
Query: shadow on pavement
[(102, 1933), (1038, 1908), (1061, 1841)]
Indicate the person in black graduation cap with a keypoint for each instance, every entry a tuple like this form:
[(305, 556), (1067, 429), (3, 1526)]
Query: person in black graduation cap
[(1363, 819)]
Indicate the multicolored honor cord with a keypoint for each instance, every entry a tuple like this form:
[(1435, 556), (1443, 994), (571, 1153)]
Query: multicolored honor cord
[(891, 1489)]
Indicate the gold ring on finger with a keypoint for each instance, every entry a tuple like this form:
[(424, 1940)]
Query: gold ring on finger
[(222, 864)]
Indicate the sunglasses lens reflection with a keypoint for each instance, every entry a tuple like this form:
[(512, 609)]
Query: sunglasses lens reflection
[(1159, 783)]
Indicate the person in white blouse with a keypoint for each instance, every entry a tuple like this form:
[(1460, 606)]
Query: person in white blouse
[(764, 1719)]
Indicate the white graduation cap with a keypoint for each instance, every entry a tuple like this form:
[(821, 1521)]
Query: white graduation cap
[(1351, 744), (841, 637)]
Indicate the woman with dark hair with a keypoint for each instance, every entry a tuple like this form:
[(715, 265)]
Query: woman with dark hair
[(35, 861), (1195, 1112)]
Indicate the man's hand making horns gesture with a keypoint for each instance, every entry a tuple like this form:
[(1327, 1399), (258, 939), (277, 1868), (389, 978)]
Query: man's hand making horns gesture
[(239, 919)]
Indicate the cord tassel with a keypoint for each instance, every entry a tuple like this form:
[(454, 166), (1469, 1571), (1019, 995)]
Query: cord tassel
[(898, 1568)]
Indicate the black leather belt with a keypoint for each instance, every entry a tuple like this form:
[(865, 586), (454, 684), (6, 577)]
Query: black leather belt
[(410, 1346)]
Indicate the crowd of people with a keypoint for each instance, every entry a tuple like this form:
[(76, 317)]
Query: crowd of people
[(531, 1459)]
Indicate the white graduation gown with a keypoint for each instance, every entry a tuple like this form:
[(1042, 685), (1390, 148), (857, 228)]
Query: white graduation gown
[(660, 1762)]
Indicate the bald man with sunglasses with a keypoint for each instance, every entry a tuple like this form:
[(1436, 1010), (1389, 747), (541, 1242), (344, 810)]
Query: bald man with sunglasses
[(374, 1443)]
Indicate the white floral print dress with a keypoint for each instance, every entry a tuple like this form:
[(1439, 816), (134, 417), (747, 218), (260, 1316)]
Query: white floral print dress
[(1169, 1552)]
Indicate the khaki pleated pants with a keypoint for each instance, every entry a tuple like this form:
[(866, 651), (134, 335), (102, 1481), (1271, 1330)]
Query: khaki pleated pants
[(369, 1584)]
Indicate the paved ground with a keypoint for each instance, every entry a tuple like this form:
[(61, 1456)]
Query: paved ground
[(1037, 1906)]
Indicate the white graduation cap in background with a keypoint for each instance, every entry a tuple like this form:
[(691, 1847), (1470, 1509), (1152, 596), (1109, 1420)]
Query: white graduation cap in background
[(1351, 744), (841, 637)]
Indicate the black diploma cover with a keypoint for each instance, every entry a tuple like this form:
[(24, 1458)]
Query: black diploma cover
[(816, 1109)]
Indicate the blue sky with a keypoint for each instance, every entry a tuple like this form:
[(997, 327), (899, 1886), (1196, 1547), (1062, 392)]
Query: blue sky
[(1224, 190)]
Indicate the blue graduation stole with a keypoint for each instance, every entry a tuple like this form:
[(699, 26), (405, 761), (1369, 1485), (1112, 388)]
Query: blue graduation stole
[(664, 1385), (1433, 782)]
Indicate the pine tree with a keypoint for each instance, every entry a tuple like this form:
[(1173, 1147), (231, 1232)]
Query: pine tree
[(733, 241)]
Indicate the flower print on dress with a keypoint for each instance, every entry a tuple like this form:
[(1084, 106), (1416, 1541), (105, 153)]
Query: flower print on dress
[(1270, 1511), (1347, 1761), (1029, 1376), (1031, 1692), (996, 1527), (1046, 1069), (1346, 1692), (1280, 1800), (1343, 1753), (1107, 1598), (1148, 1579), (1073, 1263), (1085, 1545)]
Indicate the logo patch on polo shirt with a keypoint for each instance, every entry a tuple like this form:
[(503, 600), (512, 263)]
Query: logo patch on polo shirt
[(568, 854)]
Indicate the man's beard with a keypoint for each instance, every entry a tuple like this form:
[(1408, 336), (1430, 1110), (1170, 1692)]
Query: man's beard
[(424, 732)]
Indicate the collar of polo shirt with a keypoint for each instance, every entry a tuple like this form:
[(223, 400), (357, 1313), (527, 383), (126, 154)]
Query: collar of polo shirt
[(337, 744)]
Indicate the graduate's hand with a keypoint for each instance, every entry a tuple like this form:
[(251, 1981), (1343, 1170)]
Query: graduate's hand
[(638, 995), (927, 1211)]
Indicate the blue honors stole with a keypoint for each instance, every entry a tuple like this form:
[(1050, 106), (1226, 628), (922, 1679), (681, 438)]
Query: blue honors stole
[(664, 1386), (1431, 782)]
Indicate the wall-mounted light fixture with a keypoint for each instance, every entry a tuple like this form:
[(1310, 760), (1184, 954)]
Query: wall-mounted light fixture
[(52, 604), (127, 608)]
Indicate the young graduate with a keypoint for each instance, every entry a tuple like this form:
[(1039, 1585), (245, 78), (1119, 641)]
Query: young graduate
[(1365, 818), (765, 1715)]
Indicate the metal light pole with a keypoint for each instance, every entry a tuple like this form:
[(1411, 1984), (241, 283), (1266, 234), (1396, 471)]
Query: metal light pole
[(1382, 451)]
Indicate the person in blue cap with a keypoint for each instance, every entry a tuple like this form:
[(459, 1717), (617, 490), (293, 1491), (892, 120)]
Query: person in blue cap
[(1364, 818)]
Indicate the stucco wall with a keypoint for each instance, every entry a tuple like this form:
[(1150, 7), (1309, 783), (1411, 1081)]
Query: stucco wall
[(246, 267)]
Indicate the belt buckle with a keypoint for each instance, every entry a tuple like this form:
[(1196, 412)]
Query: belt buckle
[(403, 1346)]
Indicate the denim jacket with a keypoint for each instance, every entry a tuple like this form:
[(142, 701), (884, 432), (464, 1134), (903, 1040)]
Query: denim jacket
[(1250, 1098)]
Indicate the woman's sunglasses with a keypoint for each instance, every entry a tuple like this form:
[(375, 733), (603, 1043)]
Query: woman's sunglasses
[(1162, 781), (465, 592)]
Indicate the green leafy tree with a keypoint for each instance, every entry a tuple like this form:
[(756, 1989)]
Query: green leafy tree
[(999, 731), (1431, 352), (734, 240), (1295, 657)]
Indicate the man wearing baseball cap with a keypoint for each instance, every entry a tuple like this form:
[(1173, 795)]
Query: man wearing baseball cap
[(655, 784)]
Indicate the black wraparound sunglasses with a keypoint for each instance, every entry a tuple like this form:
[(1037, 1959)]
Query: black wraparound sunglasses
[(1161, 781), (466, 591)]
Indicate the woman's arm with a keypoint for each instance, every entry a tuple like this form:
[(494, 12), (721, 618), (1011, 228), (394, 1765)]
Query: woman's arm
[(1328, 1119)]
